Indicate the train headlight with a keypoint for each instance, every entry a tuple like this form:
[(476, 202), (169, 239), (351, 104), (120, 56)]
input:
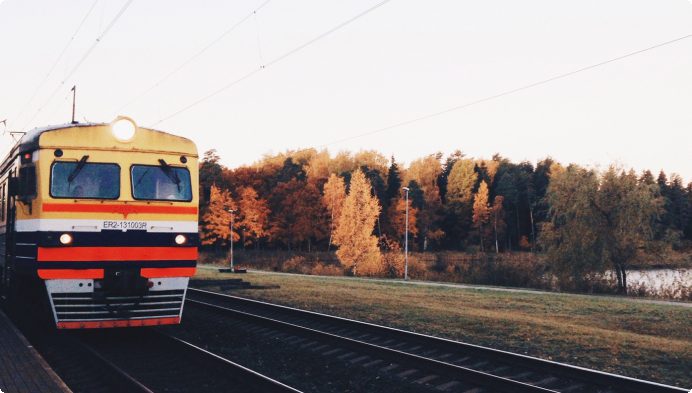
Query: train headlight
[(180, 239), (123, 129), (66, 238)]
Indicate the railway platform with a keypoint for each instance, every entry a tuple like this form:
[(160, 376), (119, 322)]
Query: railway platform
[(22, 369)]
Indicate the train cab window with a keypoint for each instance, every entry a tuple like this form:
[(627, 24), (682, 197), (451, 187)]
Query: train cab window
[(161, 183), (85, 180)]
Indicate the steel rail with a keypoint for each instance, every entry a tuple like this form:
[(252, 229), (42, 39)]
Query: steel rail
[(166, 344), (261, 381), (124, 380), (576, 373), (448, 369)]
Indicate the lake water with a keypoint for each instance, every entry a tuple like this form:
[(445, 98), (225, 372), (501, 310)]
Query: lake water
[(670, 283)]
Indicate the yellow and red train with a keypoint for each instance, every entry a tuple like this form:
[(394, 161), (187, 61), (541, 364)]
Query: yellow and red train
[(99, 221)]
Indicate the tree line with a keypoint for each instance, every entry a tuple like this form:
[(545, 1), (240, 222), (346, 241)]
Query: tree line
[(583, 220)]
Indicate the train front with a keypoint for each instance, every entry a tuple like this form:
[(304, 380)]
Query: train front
[(114, 223)]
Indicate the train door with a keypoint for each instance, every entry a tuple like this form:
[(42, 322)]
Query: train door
[(3, 223), (7, 219)]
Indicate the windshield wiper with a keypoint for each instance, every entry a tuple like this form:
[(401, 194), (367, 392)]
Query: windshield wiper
[(141, 177), (168, 171), (77, 169)]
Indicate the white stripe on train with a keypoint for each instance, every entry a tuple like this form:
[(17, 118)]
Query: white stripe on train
[(82, 225)]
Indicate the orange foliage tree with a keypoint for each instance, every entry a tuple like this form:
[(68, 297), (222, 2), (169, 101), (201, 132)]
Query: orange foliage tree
[(426, 172), (358, 250), (301, 215), (333, 200), (254, 216), (481, 212), (216, 222), (498, 218), (397, 218)]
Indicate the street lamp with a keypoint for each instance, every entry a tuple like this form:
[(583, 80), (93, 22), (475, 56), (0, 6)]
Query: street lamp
[(231, 211), (406, 189)]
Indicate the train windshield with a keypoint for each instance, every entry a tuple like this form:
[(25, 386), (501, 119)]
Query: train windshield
[(85, 180), (161, 183)]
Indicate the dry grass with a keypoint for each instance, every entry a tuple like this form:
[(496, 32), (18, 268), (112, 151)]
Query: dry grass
[(522, 270), (649, 341)]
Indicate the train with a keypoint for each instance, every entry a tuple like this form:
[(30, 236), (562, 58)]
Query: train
[(99, 224)]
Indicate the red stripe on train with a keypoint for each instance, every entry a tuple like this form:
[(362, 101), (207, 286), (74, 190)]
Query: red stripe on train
[(120, 209), (86, 254), (119, 323), (156, 272), (52, 274)]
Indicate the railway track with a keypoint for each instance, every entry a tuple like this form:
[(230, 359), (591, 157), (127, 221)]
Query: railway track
[(80, 367), (142, 361), (165, 363), (436, 363)]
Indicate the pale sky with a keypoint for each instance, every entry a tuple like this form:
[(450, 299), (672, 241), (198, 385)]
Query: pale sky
[(403, 60)]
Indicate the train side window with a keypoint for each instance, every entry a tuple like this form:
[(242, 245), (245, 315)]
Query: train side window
[(27, 182)]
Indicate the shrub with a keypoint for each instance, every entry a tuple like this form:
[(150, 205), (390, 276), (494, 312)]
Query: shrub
[(296, 264), (327, 270), (417, 268)]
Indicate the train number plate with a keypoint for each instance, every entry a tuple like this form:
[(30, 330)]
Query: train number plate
[(125, 225)]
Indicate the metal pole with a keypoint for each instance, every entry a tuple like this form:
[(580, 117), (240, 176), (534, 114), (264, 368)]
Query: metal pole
[(232, 240), (74, 101), (406, 239)]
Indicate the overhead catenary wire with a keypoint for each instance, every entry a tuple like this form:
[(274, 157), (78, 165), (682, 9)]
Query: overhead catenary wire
[(81, 60), (195, 56), (259, 41), (504, 93), (274, 61), (57, 60)]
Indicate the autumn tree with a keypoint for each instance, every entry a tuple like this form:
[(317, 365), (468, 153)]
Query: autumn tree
[(627, 211), (647, 178), (515, 183), (397, 218), (598, 222), (459, 207), (462, 179), (376, 178), (299, 214), (425, 173), (676, 210), (481, 212), (497, 215), (216, 222), (443, 177), (290, 170), (333, 201), (371, 159), (688, 226), (539, 207), (358, 250), (210, 173), (391, 194), (253, 217)]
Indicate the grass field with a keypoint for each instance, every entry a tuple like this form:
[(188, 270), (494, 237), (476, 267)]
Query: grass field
[(641, 340)]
